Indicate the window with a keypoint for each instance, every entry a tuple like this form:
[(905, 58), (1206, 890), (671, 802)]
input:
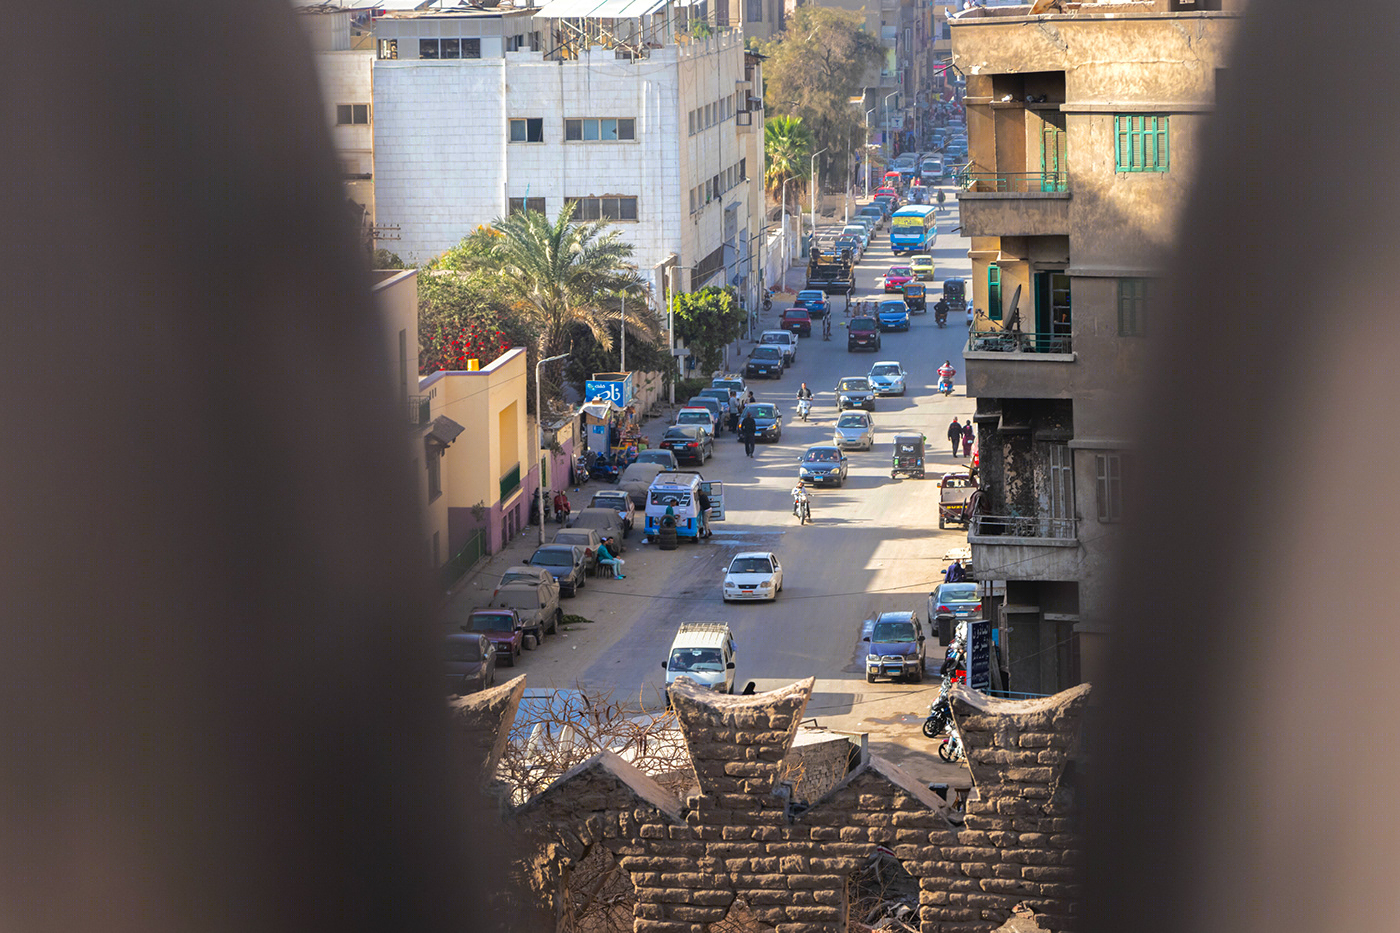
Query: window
[(351, 114), (606, 208), (1141, 143), (471, 48), (1132, 307), (517, 205), (515, 43), (434, 459), (754, 11), (1109, 470), (527, 130), (692, 123), (428, 48), (1061, 482), (388, 49), (743, 169), (446, 48), (451, 48), (993, 292), (600, 130)]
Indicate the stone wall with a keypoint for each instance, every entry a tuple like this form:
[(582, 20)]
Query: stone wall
[(740, 837)]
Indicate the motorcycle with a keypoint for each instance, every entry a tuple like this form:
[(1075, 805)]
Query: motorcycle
[(604, 469), (940, 713), (951, 748), (802, 508), (945, 385), (767, 300), (941, 316), (826, 327), (804, 408)]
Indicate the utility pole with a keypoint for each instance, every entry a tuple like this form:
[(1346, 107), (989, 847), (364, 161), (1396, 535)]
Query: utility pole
[(889, 149), (814, 187), (671, 326), (539, 420), (622, 328), (868, 114)]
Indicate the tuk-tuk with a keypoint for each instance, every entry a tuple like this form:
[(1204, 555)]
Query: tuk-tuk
[(954, 492), (955, 293), (908, 456), (893, 180), (680, 492), (915, 297)]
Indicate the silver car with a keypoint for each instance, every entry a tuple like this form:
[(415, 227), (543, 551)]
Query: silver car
[(855, 429), (887, 376)]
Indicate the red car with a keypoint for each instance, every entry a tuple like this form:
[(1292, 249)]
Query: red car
[(888, 192), (503, 627), (798, 320), (896, 277)]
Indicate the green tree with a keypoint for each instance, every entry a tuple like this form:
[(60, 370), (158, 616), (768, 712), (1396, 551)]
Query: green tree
[(708, 320), (820, 61), (463, 316), (787, 144)]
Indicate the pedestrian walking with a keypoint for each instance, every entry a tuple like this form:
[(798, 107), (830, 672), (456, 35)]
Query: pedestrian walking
[(747, 429), (968, 436), (734, 407), (955, 434)]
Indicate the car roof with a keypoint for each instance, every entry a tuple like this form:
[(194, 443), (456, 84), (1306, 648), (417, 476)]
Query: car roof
[(693, 635), (686, 429), (752, 554), (823, 447), (796, 309), (887, 363), (861, 376), (896, 615), (783, 333)]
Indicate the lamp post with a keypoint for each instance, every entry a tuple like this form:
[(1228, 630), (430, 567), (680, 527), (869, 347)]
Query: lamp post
[(887, 123), (868, 114), (539, 417), (814, 187), (622, 335), (787, 241)]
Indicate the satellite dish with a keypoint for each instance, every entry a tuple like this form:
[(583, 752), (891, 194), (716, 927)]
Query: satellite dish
[(1013, 319)]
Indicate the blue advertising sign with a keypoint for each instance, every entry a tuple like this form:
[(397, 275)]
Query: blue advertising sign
[(979, 654), (617, 391)]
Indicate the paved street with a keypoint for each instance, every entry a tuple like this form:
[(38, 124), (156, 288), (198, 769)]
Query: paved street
[(873, 545)]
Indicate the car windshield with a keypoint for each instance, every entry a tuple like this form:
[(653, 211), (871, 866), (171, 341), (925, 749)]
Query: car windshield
[(760, 411), (491, 622), (518, 576), (693, 417), (751, 565), (850, 385), (891, 307), (862, 323), (893, 632), (675, 499), (796, 312), (851, 420), (887, 369), (701, 401), (958, 593), (898, 270), (773, 338), (552, 558), (696, 659), (572, 537), (663, 457), (610, 500), (823, 455), (766, 353)]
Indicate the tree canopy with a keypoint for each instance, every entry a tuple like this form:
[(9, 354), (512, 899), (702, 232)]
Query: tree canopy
[(787, 145), (708, 320), (815, 67)]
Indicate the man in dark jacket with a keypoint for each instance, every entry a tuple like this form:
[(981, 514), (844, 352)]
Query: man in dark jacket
[(747, 430), (955, 432)]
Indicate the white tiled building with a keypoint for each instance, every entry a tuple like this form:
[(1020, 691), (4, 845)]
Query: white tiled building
[(478, 112)]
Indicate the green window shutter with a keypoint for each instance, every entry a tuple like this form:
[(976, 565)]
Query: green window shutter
[(1142, 143), (1162, 144), (1119, 136), (1132, 307), (993, 292)]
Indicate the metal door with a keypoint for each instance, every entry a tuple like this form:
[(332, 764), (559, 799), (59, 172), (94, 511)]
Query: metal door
[(715, 491)]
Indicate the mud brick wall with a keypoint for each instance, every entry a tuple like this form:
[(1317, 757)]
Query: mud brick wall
[(738, 838)]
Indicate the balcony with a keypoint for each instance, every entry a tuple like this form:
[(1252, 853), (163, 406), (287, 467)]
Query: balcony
[(1015, 547), (1010, 364), (419, 409), (1014, 203)]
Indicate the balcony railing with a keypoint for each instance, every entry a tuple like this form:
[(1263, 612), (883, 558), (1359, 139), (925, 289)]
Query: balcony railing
[(1006, 341), (1023, 526), (1013, 182), (419, 409), (510, 482)]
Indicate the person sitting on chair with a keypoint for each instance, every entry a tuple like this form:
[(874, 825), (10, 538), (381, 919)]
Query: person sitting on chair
[(607, 557)]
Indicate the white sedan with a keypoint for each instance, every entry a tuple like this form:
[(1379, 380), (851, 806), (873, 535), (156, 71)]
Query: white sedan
[(753, 575)]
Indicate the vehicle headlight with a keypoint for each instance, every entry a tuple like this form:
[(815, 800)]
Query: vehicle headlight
[(845, 398), (872, 659), (911, 657), (804, 472)]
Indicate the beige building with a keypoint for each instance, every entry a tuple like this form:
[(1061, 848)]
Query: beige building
[(1082, 130)]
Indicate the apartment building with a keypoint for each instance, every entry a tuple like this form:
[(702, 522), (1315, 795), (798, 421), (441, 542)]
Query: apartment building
[(1082, 129), (620, 105)]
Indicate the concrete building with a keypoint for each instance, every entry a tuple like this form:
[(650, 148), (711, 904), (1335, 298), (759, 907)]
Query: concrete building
[(482, 112), (1082, 128)]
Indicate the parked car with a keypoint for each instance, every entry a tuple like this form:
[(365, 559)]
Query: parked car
[(765, 361), (715, 406), (893, 314), (471, 663), (565, 563), (719, 395), (888, 193), (636, 479), (921, 264), (536, 604), (854, 392), (896, 651), (896, 277), (730, 381), (869, 222), (753, 575), (862, 333), (875, 213), (534, 576), (618, 501), (584, 538), (854, 244), (689, 442), (959, 600), (888, 378), (886, 203), (797, 320), (784, 340), (854, 429), (503, 627), (768, 421), (822, 465), (602, 520), (858, 231), (696, 417), (814, 300)]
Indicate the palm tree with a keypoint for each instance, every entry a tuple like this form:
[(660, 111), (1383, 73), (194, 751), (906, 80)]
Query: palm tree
[(787, 142), (562, 274)]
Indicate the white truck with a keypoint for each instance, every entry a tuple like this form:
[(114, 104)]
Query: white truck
[(704, 652)]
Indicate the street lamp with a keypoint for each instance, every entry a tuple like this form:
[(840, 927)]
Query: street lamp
[(887, 123), (539, 418), (787, 244), (814, 187), (868, 114)]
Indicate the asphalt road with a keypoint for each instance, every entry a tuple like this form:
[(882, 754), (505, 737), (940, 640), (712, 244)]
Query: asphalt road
[(872, 545)]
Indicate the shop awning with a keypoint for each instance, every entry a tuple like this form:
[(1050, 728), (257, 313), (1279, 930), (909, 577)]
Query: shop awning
[(443, 431), (601, 408)]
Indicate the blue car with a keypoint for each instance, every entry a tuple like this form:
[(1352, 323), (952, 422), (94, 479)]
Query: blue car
[(893, 314), (814, 300)]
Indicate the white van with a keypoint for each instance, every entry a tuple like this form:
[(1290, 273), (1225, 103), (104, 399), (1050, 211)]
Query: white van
[(704, 652)]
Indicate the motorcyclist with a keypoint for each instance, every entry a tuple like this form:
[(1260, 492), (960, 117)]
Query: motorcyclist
[(946, 372), (799, 497), (940, 310), (826, 327), (804, 392)]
